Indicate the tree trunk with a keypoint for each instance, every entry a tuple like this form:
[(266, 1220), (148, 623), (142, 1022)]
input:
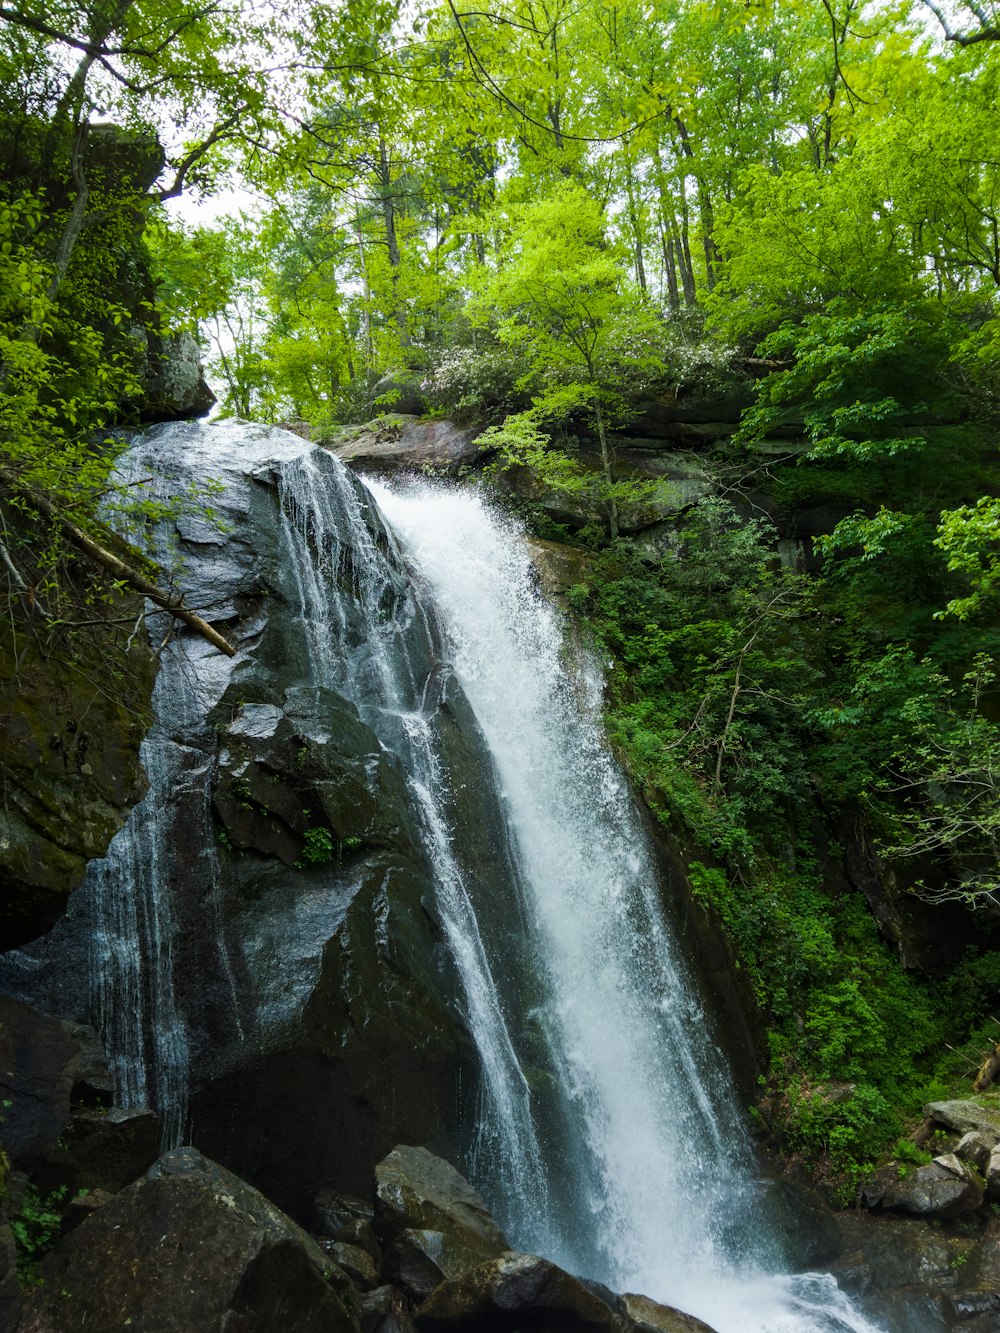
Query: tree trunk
[(172, 602), (391, 237), (609, 480), (636, 224)]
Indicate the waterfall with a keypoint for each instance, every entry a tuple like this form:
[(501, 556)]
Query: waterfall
[(649, 1161), (607, 1135), (333, 540)]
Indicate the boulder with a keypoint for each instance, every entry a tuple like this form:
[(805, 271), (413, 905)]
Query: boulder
[(976, 1149), (397, 391), (355, 1262), (385, 1310), (517, 1291), (648, 1314), (416, 1191), (967, 1115), (101, 1150), (360, 1232), (46, 1065), (406, 443), (419, 1261), (903, 1268), (333, 1210), (190, 1248), (944, 1188), (173, 378)]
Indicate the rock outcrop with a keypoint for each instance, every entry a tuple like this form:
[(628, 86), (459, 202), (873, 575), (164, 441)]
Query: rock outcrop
[(187, 1249)]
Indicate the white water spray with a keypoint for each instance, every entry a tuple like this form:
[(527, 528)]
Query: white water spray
[(649, 1159)]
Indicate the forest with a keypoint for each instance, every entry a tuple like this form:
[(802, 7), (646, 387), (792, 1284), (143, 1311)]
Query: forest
[(538, 217)]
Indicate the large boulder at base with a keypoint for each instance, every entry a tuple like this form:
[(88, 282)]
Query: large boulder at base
[(515, 1292), (45, 1066), (190, 1248), (401, 443), (648, 1314), (416, 1191)]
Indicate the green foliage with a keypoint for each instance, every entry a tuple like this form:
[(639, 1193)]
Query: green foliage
[(318, 846), (35, 1229)]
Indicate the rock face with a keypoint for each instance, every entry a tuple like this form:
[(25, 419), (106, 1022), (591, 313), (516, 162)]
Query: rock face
[(46, 1066), (189, 1248), (518, 1291), (405, 443), (416, 1190), (71, 766), (306, 971)]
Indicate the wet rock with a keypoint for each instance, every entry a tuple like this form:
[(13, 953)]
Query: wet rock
[(101, 1150), (901, 1268), (404, 442), (361, 1233), (70, 761), (517, 1291), (975, 1148), (648, 1314), (333, 1211), (416, 1191), (82, 1206), (384, 1310), (188, 1249), (46, 1065), (419, 1261), (944, 1188), (356, 1263)]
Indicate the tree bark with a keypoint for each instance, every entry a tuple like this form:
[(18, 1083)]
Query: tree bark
[(172, 602)]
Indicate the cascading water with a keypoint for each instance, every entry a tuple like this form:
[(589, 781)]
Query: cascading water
[(330, 542), (654, 1172), (606, 1137)]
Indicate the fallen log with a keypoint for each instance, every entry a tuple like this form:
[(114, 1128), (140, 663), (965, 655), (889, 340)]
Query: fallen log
[(172, 602)]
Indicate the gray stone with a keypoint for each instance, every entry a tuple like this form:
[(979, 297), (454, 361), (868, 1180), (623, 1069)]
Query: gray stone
[(945, 1188), (516, 1291), (406, 443), (414, 1190), (649, 1314), (188, 1249), (385, 1311), (359, 1231), (356, 1263), (975, 1148), (419, 1261), (333, 1210), (967, 1114)]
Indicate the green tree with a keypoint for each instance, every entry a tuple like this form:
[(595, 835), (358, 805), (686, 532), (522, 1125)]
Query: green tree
[(559, 296)]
